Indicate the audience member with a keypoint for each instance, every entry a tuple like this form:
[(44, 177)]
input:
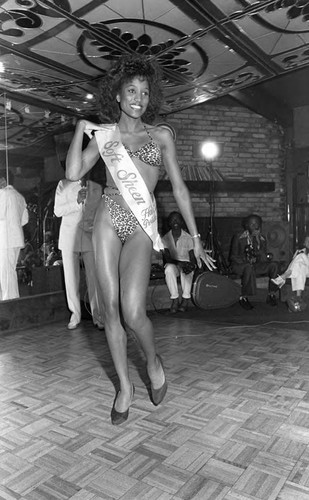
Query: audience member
[(54, 256), (46, 247), (13, 216), (298, 272), (249, 257), (26, 256), (26, 261), (178, 255), (76, 202)]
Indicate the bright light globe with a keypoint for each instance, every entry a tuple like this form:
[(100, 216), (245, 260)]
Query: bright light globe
[(210, 150)]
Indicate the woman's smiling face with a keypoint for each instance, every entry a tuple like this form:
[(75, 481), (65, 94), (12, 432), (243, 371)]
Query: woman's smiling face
[(134, 97)]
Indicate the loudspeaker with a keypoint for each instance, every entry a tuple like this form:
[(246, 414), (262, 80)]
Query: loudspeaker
[(277, 235)]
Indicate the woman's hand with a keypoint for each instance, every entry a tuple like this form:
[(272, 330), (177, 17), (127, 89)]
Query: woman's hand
[(80, 160), (202, 255), (88, 127), (81, 195)]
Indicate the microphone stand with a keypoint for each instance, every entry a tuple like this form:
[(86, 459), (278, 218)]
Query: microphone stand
[(211, 243)]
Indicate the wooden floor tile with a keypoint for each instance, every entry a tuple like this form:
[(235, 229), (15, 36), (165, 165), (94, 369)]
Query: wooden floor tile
[(234, 424)]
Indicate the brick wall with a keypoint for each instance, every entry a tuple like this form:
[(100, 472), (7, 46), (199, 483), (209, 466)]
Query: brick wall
[(252, 150)]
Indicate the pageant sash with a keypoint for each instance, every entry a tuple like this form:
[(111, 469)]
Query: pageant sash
[(129, 181)]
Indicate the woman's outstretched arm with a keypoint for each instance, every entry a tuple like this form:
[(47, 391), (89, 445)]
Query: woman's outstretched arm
[(182, 195)]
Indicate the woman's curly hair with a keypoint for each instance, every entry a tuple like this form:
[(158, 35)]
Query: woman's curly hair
[(124, 70)]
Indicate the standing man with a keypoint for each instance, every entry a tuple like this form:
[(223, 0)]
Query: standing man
[(13, 216), (76, 202), (179, 259), (249, 257)]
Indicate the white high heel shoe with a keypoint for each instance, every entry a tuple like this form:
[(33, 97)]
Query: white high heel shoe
[(279, 281)]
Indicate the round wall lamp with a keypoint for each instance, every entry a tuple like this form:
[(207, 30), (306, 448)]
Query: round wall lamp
[(210, 150)]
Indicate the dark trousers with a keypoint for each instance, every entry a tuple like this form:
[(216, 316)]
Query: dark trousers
[(248, 273)]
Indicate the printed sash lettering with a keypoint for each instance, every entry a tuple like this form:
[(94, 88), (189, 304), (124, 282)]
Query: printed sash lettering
[(129, 181)]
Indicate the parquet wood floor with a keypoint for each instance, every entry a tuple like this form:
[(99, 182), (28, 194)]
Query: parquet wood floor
[(234, 424)]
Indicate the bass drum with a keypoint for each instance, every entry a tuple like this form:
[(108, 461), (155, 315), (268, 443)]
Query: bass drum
[(211, 290)]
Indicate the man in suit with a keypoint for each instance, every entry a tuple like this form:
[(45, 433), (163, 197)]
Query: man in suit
[(249, 257), (76, 202), (13, 216)]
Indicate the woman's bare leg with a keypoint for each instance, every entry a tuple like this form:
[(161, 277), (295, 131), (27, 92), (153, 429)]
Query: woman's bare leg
[(134, 269), (107, 248)]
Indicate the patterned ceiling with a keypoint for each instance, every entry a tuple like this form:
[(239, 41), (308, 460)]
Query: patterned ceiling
[(53, 52)]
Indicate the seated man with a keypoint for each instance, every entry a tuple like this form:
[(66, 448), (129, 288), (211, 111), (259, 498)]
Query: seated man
[(248, 258), (298, 271), (46, 247), (179, 260)]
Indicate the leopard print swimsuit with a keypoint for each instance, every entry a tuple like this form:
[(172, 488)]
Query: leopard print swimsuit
[(124, 221), (149, 153)]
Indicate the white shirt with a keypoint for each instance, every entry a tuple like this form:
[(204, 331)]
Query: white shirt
[(180, 250)]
